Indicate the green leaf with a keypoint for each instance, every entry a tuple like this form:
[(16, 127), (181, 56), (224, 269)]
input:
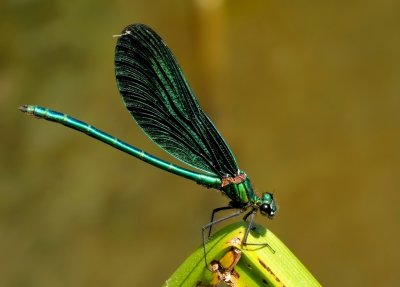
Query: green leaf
[(267, 263)]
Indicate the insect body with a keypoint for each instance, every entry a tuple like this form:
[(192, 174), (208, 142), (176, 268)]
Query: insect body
[(156, 93)]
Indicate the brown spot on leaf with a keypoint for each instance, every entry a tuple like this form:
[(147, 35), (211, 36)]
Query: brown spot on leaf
[(263, 264), (269, 271)]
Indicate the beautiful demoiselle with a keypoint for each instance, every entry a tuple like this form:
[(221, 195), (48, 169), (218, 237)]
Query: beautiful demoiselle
[(156, 93)]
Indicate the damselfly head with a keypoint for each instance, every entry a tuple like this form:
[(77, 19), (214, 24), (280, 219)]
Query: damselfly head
[(267, 205)]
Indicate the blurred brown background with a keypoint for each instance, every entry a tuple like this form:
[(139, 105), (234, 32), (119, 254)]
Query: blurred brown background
[(305, 93)]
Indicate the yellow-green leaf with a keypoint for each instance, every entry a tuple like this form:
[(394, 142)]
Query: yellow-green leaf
[(268, 263)]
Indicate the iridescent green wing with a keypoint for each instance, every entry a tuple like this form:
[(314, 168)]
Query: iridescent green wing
[(156, 93)]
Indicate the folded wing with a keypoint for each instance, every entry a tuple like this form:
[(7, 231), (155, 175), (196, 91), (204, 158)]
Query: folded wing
[(156, 93)]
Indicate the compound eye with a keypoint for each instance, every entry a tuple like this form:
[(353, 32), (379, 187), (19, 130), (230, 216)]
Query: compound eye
[(265, 209)]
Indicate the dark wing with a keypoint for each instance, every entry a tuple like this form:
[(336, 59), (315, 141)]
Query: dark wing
[(156, 93)]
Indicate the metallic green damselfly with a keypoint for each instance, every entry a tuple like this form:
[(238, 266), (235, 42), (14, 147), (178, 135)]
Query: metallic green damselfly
[(156, 93)]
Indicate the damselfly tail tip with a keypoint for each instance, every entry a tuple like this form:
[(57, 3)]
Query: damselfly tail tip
[(26, 109), (23, 108)]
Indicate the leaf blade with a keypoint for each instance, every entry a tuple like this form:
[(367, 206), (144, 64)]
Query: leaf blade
[(258, 266)]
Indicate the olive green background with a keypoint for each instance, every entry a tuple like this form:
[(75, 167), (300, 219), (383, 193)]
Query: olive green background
[(306, 93)]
